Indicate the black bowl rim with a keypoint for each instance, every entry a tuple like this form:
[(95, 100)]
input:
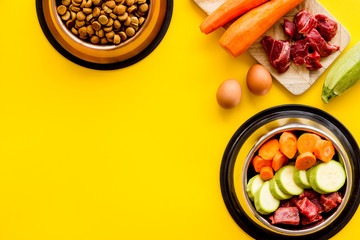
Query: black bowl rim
[(109, 66), (267, 115)]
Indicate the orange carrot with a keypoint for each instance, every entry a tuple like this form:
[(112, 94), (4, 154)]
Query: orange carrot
[(279, 160), (288, 144), (305, 161), (250, 26), (266, 173), (258, 163), (229, 10), (324, 150), (268, 150), (307, 141)]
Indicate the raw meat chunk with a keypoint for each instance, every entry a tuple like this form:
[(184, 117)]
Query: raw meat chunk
[(306, 220), (312, 61), (305, 21), (318, 44), (309, 193), (326, 27), (307, 208), (286, 215), (291, 30), (289, 203), (329, 201), (278, 53), (317, 203), (299, 50)]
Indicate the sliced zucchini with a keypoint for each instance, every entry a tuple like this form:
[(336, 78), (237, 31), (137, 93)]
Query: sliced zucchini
[(253, 186), (284, 178), (300, 179), (276, 192), (327, 177), (265, 203)]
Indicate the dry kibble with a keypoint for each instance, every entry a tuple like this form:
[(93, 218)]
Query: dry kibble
[(130, 2), (110, 22), (66, 16), (103, 19), (123, 17), (130, 31), (117, 39), (61, 9), (143, 7), (80, 16), (96, 12), (110, 35), (111, 4), (141, 21), (66, 2), (87, 10), (95, 40), (122, 35), (96, 25)]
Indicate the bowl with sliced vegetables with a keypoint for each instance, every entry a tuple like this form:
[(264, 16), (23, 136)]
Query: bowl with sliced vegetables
[(291, 171)]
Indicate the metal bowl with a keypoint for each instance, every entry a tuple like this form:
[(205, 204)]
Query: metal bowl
[(246, 141), (72, 47)]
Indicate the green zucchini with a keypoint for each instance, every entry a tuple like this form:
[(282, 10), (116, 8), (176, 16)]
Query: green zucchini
[(344, 74), (253, 186), (265, 203)]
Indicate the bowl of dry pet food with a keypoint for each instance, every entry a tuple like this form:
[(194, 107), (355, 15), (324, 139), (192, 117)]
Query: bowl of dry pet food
[(104, 34), (291, 172)]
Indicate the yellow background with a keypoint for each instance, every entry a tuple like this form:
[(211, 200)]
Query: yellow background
[(133, 153)]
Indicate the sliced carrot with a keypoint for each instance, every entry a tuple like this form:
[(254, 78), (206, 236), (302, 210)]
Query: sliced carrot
[(279, 160), (288, 144), (266, 173), (268, 150), (307, 141), (229, 10), (324, 150), (258, 163), (250, 26), (305, 161)]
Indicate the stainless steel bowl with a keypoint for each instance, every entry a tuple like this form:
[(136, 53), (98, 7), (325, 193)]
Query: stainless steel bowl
[(247, 140)]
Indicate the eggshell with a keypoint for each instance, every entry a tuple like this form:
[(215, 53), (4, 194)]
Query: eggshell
[(229, 93), (258, 80)]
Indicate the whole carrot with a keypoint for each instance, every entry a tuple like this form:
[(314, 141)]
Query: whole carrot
[(250, 26), (229, 10)]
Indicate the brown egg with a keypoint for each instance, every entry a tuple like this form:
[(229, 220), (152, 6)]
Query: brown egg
[(258, 80), (229, 93)]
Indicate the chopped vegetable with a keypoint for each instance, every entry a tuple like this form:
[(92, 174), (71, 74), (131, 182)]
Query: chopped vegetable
[(265, 203), (229, 10), (285, 180), (266, 173), (253, 186), (268, 150), (279, 160), (327, 177), (305, 161), (307, 141), (258, 163), (276, 192), (324, 150), (250, 26), (288, 144), (300, 179)]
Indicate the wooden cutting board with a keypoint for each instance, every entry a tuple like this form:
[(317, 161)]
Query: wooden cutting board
[(297, 79)]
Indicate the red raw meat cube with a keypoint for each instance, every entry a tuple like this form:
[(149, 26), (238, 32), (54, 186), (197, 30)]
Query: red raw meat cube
[(287, 215), (291, 30), (306, 220), (317, 203), (299, 50), (289, 203), (278, 53), (329, 201), (326, 27), (309, 193), (307, 208), (305, 22), (318, 44), (312, 61)]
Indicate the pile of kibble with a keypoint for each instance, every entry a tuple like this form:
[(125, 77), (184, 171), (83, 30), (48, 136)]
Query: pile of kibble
[(103, 21)]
